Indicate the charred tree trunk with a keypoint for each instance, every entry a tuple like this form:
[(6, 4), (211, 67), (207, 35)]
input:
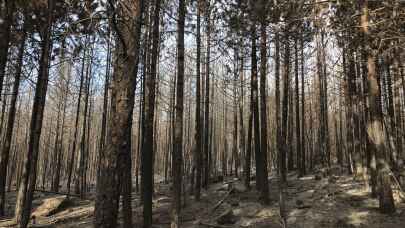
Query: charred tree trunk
[(198, 146), (207, 129), (263, 113), (148, 147), (75, 134), (10, 123), (105, 98), (255, 111), (286, 88), (6, 16), (27, 186), (178, 136), (375, 124), (80, 187), (115, 164), (277, 96), (303, 129), (297, 112)]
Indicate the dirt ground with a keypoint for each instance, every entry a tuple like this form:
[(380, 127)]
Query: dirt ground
[(313, 201)]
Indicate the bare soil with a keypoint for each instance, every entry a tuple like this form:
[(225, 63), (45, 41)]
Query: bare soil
[(313, 201)]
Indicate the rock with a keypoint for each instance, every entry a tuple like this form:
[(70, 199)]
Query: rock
[(267, 212), (340, 223), (49, 206), (226, 217)]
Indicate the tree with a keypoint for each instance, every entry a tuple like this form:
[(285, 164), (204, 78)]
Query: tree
[(374, 125), (75, 134), (297, 110), (6, 17), (27, 186), (284, 114), (114, 171), (207, 129), (178, 125), (198, 130), (263, 110), (10, 122), (303, 129), (148, 148)]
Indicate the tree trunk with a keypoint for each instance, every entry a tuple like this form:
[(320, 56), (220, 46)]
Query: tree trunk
[(242, 143), (56, 179), (105, 97), (303, 152), (81, 170), (207, 129), (286, 88), (277, 97), (375, 124), (398, 106), (10, 123), (263, 114), (255, 110), (148, 148), (297, 112), (198, 135), (115, 164), (27, 186), (79, 99), (6, 16), (178, 136)]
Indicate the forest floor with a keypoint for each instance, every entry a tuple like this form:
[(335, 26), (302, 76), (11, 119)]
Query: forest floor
[(313, 201)]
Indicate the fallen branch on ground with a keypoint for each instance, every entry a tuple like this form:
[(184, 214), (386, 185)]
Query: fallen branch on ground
[(221, 201)]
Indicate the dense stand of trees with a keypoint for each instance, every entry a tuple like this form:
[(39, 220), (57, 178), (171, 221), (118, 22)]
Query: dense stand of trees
[(97, 94)]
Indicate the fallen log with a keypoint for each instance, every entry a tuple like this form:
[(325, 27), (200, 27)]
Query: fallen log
[(49, 206)]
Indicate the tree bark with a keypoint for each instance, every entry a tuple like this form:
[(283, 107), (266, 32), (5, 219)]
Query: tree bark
[(255, 110), (297, 112), (263, 113), (207, 129), (148, 148), (10, 123), (303, 152), (178, 127), (6, 16), (198, 138), (286, 88), (80, 187), (115, 164), (375, 123), (27, 186), (79, 99)]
